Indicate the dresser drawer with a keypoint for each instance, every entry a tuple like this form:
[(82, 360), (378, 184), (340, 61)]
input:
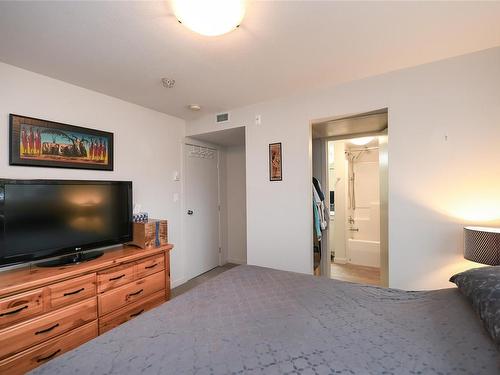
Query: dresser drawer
[(71, 291), (114, 277), (150, 266), (34, 331), (36, 356), (21, 307), (130, 311), (123, 295)]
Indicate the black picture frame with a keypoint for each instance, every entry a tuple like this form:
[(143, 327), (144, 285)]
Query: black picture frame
[(276, 153), (76, 153)]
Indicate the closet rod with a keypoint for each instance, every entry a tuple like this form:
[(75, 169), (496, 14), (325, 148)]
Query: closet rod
[(208, 148), (363, 149)]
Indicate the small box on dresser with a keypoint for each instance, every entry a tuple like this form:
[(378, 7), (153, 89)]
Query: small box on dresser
[(149, 234)]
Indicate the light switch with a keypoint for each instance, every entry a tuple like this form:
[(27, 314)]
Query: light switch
[(176, 197), (258, 120)]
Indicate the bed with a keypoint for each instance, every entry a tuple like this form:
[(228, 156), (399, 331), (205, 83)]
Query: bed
[(254, 320)]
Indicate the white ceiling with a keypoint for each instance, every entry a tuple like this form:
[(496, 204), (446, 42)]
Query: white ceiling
[(282, 47)]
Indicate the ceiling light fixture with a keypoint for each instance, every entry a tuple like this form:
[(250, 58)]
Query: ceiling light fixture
[(361, 141), (194, 107), (210, 17)]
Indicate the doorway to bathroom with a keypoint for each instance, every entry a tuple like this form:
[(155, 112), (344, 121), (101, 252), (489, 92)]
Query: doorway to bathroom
[(354, 235), (349, 165)]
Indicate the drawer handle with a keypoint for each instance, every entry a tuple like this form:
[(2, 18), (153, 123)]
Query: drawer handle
[(14, 311), (47, 330), (117, 277), (136, 293), (151, 266), (75, 292), (49, 356), (137, 313)]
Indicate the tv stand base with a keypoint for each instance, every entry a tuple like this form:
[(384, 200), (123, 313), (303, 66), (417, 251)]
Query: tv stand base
[(71, 259)]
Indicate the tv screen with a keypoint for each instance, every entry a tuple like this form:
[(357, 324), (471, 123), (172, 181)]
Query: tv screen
[(46, 218)]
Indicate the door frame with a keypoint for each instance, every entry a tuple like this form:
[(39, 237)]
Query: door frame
[(193, 142), (384, 189)]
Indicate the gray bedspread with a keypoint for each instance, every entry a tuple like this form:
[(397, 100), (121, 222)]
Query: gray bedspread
[(252, 320)]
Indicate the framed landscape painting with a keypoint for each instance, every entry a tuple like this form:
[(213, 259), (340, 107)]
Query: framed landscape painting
[(275, 162), (41, 143)]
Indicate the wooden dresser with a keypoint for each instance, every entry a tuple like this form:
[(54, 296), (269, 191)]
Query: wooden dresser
[(45, 312)]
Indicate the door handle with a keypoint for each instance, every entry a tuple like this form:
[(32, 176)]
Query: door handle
[(137, 313), (117, 277), (47, 330), (74, 292), (14, 311), (190, 212), (41, 359), (135, 293)]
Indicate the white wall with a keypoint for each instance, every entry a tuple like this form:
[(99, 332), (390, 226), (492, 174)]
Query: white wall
[(235, 194), (147, 147), (444, 127)]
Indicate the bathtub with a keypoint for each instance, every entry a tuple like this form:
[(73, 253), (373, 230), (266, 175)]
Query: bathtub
[(363, 252)]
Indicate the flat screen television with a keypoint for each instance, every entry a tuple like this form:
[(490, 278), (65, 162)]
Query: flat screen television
[(48, 218)]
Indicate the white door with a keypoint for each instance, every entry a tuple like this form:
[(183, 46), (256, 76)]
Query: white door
[(202, 210)]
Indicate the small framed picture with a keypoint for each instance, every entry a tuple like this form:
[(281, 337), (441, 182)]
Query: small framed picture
[(42, 143), (275, 162)]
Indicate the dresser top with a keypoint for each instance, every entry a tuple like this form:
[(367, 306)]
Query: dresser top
[(29, 277)]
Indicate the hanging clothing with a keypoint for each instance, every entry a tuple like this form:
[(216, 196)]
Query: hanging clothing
[(317, 187), (317, 225), (319, 198)]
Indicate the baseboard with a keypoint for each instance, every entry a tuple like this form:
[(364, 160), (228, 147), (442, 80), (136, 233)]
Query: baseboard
[(178, 282), (236, 261), (340, 260)]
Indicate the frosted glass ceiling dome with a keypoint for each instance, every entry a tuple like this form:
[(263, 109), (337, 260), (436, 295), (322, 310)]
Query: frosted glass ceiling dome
[(210, 17)]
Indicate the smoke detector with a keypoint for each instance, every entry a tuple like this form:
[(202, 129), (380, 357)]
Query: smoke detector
[(168, 82), (194, 107)]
